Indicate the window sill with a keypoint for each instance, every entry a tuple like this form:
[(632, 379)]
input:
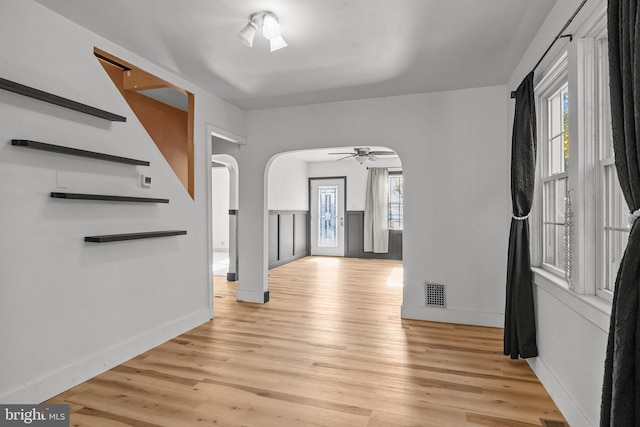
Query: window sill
[(593, 308)]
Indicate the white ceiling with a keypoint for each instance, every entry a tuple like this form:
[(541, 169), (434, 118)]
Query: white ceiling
[(338, 49)]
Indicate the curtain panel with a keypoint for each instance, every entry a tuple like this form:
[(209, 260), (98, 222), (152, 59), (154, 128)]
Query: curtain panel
[(519, 324), (620, 395), (376, 211)]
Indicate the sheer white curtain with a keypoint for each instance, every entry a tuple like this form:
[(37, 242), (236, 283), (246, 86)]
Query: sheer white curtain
[(376, 225)]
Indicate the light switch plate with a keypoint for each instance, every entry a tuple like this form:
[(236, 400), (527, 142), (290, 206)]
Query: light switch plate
[(145, 181)]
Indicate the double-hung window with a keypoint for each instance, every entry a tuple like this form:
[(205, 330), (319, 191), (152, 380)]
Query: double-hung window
[(613, 227), (555, 169), (580, 214)]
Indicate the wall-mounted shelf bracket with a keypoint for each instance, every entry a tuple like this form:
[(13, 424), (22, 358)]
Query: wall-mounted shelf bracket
[(133, 236)]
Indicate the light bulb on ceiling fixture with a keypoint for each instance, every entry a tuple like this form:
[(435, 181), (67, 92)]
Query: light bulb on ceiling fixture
[(277, 43), (361, 159), (247, 34), (271, 30), (270, 27)]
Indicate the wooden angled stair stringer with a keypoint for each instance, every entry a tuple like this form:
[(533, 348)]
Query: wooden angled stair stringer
[(169, 127)]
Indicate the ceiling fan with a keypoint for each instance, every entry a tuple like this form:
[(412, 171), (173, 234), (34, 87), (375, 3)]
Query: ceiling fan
[(362, 154)]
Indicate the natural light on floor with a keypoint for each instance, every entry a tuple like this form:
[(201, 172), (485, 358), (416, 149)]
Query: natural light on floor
[(395, 278), (327, 261), (220, 263)]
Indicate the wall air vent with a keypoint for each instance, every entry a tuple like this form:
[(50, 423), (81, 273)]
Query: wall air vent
[(434, 295)]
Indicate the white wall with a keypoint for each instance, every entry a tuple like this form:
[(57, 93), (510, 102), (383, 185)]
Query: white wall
[(288, 184), (220, 206), (69, 309), (571, 330), (455, 159), (356, 176), (572, 341)]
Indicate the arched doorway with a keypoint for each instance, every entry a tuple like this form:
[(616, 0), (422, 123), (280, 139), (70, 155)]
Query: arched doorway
[(290, 196)]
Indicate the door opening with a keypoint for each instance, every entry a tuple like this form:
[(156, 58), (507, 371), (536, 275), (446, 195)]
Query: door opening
[(224, 176), (327, 209)]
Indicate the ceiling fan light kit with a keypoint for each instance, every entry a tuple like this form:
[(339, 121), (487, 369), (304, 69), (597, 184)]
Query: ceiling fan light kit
[(271, 30)]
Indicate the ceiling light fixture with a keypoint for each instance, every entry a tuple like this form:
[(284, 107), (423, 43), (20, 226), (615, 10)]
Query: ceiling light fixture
[(247, 34), (271, 30)]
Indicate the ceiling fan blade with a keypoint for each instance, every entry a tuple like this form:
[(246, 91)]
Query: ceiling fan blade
[(348, 157), (341, 153), (383, 153), (372, 157)]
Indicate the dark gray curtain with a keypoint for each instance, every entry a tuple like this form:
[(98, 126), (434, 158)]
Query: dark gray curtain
[(620, 394), (519, 315)]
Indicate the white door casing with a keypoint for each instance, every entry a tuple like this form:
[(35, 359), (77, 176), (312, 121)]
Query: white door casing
[(327, 213)]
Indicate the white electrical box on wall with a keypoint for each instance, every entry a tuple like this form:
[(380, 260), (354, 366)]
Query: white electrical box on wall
[(145, 181)]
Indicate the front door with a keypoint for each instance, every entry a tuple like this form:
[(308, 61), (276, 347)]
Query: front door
[(327, 216)]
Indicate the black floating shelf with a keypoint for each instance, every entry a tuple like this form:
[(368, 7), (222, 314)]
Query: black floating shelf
[(58, 100), (78, 196), (133, 236), (76, 152)]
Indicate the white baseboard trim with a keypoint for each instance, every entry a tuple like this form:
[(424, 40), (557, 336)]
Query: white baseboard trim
[(559, 394), (41, 389), (447, 315)]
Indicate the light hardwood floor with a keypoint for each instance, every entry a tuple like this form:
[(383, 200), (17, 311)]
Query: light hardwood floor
[(329, 349)]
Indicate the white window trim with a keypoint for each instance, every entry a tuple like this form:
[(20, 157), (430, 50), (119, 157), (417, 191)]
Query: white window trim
[(591, 307), (599, 33), (583, 145), (552, 81)]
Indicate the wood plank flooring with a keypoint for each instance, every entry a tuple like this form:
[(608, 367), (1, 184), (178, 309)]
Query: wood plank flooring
[(329, 349)]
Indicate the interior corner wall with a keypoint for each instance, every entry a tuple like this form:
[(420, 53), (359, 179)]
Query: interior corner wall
[(455, 160), (70, 310), (571, 346)]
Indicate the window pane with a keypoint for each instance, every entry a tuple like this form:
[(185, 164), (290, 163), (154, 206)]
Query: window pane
[(557, 150), (561, 194), (328, 207), (553, 222), (616, 207), (616, 226), (549, 240), (555, 116), (396, 202), (604, 103), (549, 201), (395, 217), (616, 242), (556, 155)]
